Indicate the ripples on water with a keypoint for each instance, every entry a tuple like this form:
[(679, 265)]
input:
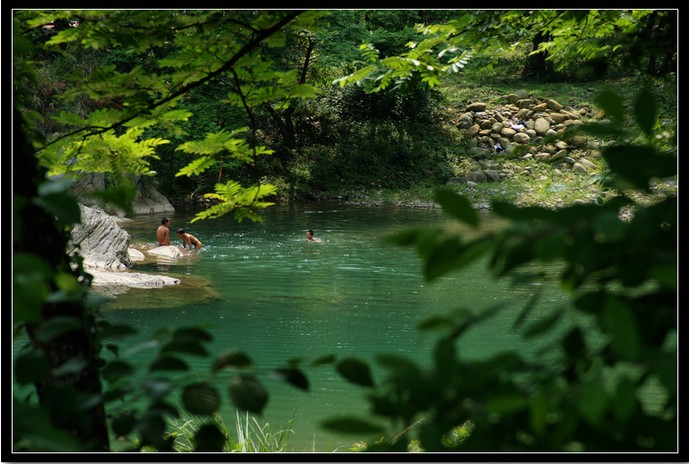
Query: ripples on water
[(262, 288)]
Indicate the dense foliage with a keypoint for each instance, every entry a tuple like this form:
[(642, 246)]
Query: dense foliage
[(198, 96), (587, 387)]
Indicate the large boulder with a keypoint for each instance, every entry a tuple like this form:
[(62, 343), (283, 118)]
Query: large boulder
[(148, 199), (167, 251), (104, 245), (100, 241)]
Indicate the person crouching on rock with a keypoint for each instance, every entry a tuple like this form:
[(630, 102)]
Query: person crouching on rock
[(188, 239)]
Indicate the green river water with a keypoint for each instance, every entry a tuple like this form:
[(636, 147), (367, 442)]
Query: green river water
[(263, 289)]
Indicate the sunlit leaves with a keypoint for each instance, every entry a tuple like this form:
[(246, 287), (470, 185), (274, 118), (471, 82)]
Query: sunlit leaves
[(232, 197), (106, 153), (356, 77), (216, 147), (197, 166), (422, 59)]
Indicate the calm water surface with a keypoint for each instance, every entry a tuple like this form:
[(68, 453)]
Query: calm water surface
[(263, 289)]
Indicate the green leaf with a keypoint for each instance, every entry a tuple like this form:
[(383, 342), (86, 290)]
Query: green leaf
[(31, 287), (611, 102), (506, 404), (122, 196), (55, 187), (232, 358), (168, 363), (248, 394), (70, 367), (123, 424), (352, 426), (456, 206), (574, 344), (544, 324), (196, 167), (157, 388), (538, 410), (67, 283), (152, 428), (624, 402), (191, 335), (30, 367), (592, 401), (638, 164), (450, 254), (34, 424), (62, 206), (201, 398), (526, 310), (620, 323), (646, 111), (294, 377), (402, 367), (514, 256), (56, 326), (116, 369), (325, 359), (185, 347), (436, 323), (356, 371), (109, 330)]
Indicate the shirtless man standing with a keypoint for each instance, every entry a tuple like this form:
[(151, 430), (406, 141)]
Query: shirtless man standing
[(188, 238), (163, 232)]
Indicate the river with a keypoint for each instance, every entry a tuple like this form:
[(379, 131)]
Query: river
[(262, 288)]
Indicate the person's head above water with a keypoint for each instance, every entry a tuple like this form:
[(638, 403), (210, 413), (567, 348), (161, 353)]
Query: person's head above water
[(180, 231), (165, 220), (310, 237)]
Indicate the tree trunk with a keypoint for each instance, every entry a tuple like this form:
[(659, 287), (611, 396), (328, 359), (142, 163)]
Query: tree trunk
[(63, 394), (537, 66)]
